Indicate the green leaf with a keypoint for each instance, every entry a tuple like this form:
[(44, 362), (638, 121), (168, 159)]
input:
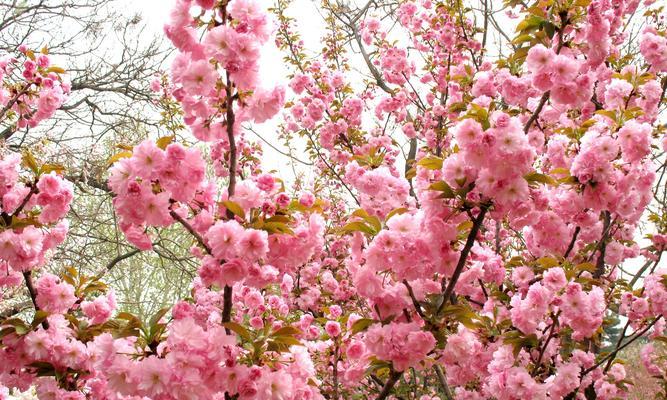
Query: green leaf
[(644, 78), (371, 219), (361, 325), (125, 147), (40, 316), (480, 114), (18, 223), (277, 227), (609, 114), (432, 163), (6, 331), (536, 177), (234, 208), (43, 368), (464, 226), (560, 171), (48, 168), (458, 107), (127, 316), (165, 141), (519, 55), (357, 226), (530, 23), (519, 341), (288, 340), (131, 328), (158, 316), (21, 329), (238, 329), (361, 213), (375, 223), (123, 154), (586, 266), (442, 186), (278, 218), (633, 113), (548, 262), (57, 70), (377, 366), (30, 162), (549, 29), (286, 330), (527, 37), (95, 286), (396, 211)]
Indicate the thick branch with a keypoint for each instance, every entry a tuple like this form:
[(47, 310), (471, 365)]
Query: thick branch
[(412, 154), (227, 295), (618, 345)]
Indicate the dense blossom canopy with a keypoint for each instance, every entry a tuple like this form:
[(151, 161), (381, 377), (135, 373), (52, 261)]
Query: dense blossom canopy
[(486, 267)]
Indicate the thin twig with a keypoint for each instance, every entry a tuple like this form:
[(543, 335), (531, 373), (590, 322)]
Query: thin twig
[(572, 242), (192, 231), (626, 344), (115, 261), (27, 276), (389, 385), (477, 223), (443, 382), (418, 307)]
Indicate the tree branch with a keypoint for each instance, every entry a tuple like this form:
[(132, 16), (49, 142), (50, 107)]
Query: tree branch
[(33, 294), (192, 231), (115, 261), (477, 223), (389, 385), (572, 242), (443, 382), (619, 348)]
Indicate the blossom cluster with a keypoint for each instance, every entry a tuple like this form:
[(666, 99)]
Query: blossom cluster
[(32, 211), (31, 88), (488, 263)]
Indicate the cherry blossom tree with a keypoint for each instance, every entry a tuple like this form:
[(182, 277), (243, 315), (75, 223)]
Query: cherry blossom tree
[(467, 235), (111, 57)]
